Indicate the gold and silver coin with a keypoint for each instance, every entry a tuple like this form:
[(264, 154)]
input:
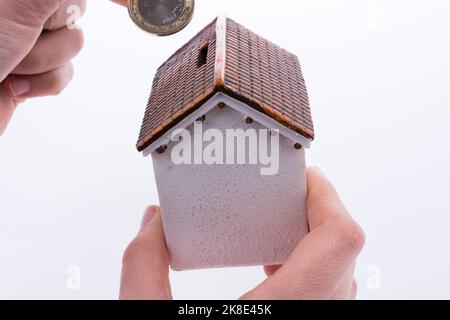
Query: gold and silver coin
[(161, 17)]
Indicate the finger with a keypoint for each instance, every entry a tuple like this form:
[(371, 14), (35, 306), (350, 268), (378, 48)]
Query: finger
[(270, 270), (320, 192), (45, 84), (145, 270), (321, 261), (324, 203), (7, 106), (345, 290), (20, 28), (121, 2), (53, 50), (67, 13)]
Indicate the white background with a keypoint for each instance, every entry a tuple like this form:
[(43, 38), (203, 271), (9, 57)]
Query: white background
[(73, 187)]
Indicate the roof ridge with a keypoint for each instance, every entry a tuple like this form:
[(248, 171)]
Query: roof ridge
[(221, 51)]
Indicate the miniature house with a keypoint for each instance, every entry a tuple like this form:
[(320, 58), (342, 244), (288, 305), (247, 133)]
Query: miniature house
[(226, 208)]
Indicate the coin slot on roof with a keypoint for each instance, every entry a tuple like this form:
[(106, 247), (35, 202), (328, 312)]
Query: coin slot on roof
[(203, 55)]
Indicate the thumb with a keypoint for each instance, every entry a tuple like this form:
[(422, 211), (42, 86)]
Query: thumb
[(21, 23), (145, 269)]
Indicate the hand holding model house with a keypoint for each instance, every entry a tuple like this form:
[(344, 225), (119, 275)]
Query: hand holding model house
[(320, 267), (34, 63), (218, 207)]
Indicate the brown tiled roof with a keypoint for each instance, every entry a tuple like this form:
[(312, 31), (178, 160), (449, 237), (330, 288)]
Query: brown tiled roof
[(226, 57)]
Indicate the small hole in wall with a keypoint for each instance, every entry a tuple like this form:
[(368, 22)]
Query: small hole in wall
[(203, 56), (298, 146), (248, 120), (162, 149), (201, 119)]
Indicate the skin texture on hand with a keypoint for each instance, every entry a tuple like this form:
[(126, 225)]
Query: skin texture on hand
[(321, 267), (36, 48)]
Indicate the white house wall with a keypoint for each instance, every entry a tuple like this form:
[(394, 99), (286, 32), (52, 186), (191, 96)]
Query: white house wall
[(231, 215)]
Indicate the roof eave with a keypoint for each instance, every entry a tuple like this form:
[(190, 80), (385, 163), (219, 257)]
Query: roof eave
[(238, 104)]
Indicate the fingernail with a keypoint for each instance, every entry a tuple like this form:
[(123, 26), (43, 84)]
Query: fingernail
[(148, 217), (19, 87)]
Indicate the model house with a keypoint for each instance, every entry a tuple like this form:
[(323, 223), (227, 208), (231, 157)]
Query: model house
[(227, 125)]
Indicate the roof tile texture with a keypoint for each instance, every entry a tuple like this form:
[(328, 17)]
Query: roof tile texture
[(263, 73), (257, 72), (179, 85)]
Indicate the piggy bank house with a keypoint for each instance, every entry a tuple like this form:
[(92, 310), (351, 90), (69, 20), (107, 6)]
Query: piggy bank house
[(227, 125)]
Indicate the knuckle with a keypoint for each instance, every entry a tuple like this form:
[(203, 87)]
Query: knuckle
[(55, 83), (59, 80), (134, 248), (140, 245), (350, 235), (77, 39)]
